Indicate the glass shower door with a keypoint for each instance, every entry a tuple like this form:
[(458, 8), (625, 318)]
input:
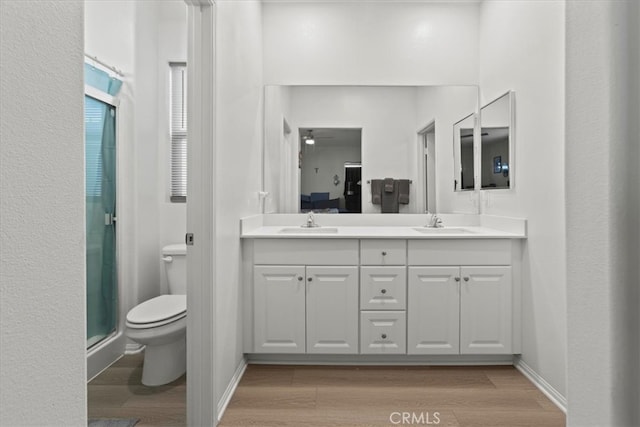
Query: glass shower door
[(100, 193)]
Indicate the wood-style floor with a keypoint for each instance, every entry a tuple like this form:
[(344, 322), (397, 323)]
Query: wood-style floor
[(118, 393), (307, 396)]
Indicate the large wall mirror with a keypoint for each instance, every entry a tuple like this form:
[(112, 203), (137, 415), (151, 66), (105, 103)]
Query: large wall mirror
[(334, 141), (497, 143)]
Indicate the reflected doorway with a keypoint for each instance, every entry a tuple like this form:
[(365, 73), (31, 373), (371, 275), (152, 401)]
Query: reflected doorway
[(427, 140), (330, 170)]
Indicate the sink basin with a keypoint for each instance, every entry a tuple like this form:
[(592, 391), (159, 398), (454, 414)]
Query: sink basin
[(309, 230), (444, 230)]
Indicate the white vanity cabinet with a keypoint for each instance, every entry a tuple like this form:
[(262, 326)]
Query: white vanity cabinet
[(376, 296), (305, 296), (460, 297)]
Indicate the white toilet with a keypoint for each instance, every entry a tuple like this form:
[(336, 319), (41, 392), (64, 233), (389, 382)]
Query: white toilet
[(161, 323)]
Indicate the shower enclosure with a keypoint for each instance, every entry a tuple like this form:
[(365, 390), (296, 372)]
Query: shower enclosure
[(100, 193)]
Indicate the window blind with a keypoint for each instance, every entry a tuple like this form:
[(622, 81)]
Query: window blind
[(178, 88), (94, 112)]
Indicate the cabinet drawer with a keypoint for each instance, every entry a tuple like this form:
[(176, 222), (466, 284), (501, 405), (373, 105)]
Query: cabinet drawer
[(383, 288), (383, 252), (305, 251), (459, 252), (383, 332)]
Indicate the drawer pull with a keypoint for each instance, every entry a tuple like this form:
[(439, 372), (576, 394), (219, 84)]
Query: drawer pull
[(384, 336), (310, 279), (383, 291), (384, 253), (466, 279), (299, 278), (457, 279)]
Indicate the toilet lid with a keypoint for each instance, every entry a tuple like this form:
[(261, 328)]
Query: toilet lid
[(157, 309)]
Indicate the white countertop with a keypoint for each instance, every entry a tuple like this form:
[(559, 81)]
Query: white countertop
[(283, 226), (379, 232)]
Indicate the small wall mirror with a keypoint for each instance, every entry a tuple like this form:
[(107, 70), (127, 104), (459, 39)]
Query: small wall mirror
[(464, 171), (497, 143)]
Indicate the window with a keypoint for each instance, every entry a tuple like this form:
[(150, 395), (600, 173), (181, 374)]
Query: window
[(94, 112), (178, 190)]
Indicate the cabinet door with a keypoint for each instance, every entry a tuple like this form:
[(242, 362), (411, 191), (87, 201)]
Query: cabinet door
[(433, 310), (332, 310), (383, 288), (279, 321), (485, 310)]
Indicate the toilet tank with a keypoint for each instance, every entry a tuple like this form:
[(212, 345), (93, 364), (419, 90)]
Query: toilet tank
[(174, 258)]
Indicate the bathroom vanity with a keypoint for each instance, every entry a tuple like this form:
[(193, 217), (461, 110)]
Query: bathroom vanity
[(394, 288)]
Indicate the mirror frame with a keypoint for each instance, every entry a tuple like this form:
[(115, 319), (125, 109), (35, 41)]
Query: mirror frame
[(510, 94)]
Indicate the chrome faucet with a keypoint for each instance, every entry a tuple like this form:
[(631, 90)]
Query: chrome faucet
[(435, 222), (311, 221)]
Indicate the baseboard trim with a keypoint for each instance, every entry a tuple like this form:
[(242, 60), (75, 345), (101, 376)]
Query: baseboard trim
[(359, 359), (231, 388), (104, 354), (554, 395)]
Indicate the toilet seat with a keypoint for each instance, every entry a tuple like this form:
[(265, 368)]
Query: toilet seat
[(158, 311)]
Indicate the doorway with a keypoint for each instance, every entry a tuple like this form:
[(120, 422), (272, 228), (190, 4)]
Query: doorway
[(427, 166)]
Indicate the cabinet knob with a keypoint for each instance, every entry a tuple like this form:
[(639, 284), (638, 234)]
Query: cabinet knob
[(466, 279), (384, 253), (310, 279), (457, 279), (299, 278), (384, 336), (383, 291)]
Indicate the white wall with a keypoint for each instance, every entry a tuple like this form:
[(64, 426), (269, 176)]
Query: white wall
[(517, 53), (387, 117), (380, 43), (280, 151), (146, 150), (238, 166), (603, 207), (42, 270), (171, 42)]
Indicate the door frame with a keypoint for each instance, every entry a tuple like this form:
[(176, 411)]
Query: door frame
[(421, 198), (202, 402)]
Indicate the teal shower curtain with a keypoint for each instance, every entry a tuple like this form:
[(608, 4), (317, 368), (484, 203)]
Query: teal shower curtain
[(100, 192)]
